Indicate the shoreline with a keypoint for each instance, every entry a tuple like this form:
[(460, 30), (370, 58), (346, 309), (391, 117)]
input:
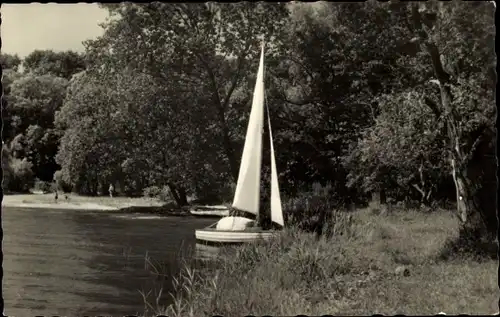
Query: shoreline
[(107, 204), (85, 206), (91, 207), (85, 203)]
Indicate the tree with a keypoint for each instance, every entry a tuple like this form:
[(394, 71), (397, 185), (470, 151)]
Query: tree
[(183, 87), (10, 62), (9, 121), (61, 64), (86, 119), (466, 88), (207, 49), (124, 129), (32, 103), (333, 68), (447, 90), (402, 152), (41, 146), (35, 99), (17, 174)]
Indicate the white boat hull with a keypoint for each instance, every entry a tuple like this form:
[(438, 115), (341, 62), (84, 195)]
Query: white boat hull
[(209, 211), (211, 235)]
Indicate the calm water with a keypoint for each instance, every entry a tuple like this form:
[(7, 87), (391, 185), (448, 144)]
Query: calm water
[(75, 263)]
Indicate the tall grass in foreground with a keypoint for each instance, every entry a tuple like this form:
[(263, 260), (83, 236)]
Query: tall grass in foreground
[(351, 272), (157, 293)]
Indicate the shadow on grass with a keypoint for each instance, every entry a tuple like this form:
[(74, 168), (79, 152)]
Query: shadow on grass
[(478, 249)]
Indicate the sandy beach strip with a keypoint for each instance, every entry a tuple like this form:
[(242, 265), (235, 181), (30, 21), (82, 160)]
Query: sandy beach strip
[(83, 206), (47, 201)]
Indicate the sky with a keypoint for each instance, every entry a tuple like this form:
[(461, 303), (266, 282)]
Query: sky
[(60, 27)]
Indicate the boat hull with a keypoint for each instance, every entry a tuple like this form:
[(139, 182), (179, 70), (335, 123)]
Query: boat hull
[(212, 236), (209, 211)]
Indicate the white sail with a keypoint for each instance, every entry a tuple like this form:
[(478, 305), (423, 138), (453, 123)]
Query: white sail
[(247, 193), (276, 211)]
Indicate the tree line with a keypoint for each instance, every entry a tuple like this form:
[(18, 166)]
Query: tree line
[(386, 97)]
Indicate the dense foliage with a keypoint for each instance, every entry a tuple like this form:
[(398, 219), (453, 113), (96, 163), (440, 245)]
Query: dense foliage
[(391, 97), (31, 99)]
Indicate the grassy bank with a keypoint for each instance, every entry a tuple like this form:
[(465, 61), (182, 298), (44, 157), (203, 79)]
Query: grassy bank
[(390, 264)]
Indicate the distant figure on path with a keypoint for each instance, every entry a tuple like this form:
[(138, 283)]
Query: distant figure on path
[(111, 190), (56, 196)]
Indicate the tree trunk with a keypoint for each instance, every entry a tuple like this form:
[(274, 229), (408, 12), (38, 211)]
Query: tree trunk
[(465, 205), (383, 197), (179, 195), (472, 225), (379, 197), (182, 196), (173, 192)]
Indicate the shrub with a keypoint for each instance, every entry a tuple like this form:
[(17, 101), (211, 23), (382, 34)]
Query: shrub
[(164, 194), (60, 183), (161, 193), (18, 176), (6, 168), (43, 186), (151, 191), (310, 211)]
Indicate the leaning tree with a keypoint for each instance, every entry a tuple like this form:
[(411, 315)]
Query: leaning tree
[(458, 39)]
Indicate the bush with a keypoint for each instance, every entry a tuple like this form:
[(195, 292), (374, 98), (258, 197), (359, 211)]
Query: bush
[(161, 193), (165, 194), (44, 187), (60, 183), (213, 191), (310, 211), (18, 176), (151, 191)]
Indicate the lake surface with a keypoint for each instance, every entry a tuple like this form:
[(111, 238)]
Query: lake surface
[(76, 263)]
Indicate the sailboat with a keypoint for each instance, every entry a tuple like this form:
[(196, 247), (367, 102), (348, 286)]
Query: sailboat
[(236, 229)]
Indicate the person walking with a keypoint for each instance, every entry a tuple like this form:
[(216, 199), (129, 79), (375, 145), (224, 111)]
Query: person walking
[(56, 196), (111, 189)]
